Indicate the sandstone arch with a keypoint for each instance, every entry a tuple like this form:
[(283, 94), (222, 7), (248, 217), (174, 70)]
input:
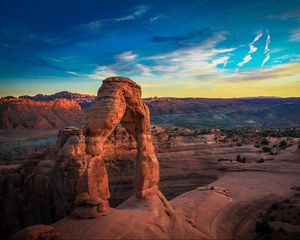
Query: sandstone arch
[(118, 101)]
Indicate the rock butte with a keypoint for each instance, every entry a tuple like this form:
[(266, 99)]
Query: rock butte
[(118, 101), (18, 114)]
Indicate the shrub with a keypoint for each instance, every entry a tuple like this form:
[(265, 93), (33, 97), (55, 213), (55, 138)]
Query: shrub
[(263, 227), (272, 219), (266, 149), (283, 144), (260, 160), (275, 206), (264, 141), (240, 159)]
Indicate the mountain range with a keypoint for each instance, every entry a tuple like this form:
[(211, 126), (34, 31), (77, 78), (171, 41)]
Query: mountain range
[(66, 108)]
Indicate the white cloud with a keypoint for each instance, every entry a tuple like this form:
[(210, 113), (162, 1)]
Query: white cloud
[(246, 59), (268, 40), (265, 60), (144, 70), (138, 12), (127, 56), (295, 35), (200, 61), (266, 51), (251, 45), (227, 58), (102, 72), (252, 49), (258, 36), (73, 73), (191, 61), (94, 25), (155, 18)]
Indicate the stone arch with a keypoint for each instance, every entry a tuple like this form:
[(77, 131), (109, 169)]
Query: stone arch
[(118, 101)]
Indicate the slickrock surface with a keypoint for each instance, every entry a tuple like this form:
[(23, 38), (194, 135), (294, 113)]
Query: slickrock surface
[(134, 219), (226, 209), (37, 232), (27, 114)]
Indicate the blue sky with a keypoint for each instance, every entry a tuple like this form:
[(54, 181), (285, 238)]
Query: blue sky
[(172, 48)]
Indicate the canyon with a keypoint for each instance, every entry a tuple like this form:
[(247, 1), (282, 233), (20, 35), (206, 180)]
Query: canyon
[(211, 184), (199, 113)]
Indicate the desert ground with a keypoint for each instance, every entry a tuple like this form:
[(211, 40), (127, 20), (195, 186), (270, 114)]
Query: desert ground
[(223, 183)]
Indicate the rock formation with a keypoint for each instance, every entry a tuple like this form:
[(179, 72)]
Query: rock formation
[(48, 183), (118, 101), (43, 188), (84, 100), (19, 114)]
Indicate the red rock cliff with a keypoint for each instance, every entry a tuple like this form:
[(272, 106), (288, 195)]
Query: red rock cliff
[(18, 113)]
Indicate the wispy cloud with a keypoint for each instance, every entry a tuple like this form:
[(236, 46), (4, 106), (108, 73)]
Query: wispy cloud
[(184, 62), (73, 73), (266, 51), (252, 49), (102, 72), (144, 70), (246, 59), (127, 56), (94, 25), (203, 62), (227, 58), (295, 35), (251, 45), (138, 12), (155, 18), (259, 35), (293, 13), (275, 72), (268, 40), (266, 59)]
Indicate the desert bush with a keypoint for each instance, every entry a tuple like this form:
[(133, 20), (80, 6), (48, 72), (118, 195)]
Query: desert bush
[(275, 206), (266, 149), (260, 160), (282, 230), (283, 144), (272, 219), (263, 227), (264, 141), (240, 159)]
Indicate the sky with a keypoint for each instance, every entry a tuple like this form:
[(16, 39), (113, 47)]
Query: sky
[(172, 48)]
